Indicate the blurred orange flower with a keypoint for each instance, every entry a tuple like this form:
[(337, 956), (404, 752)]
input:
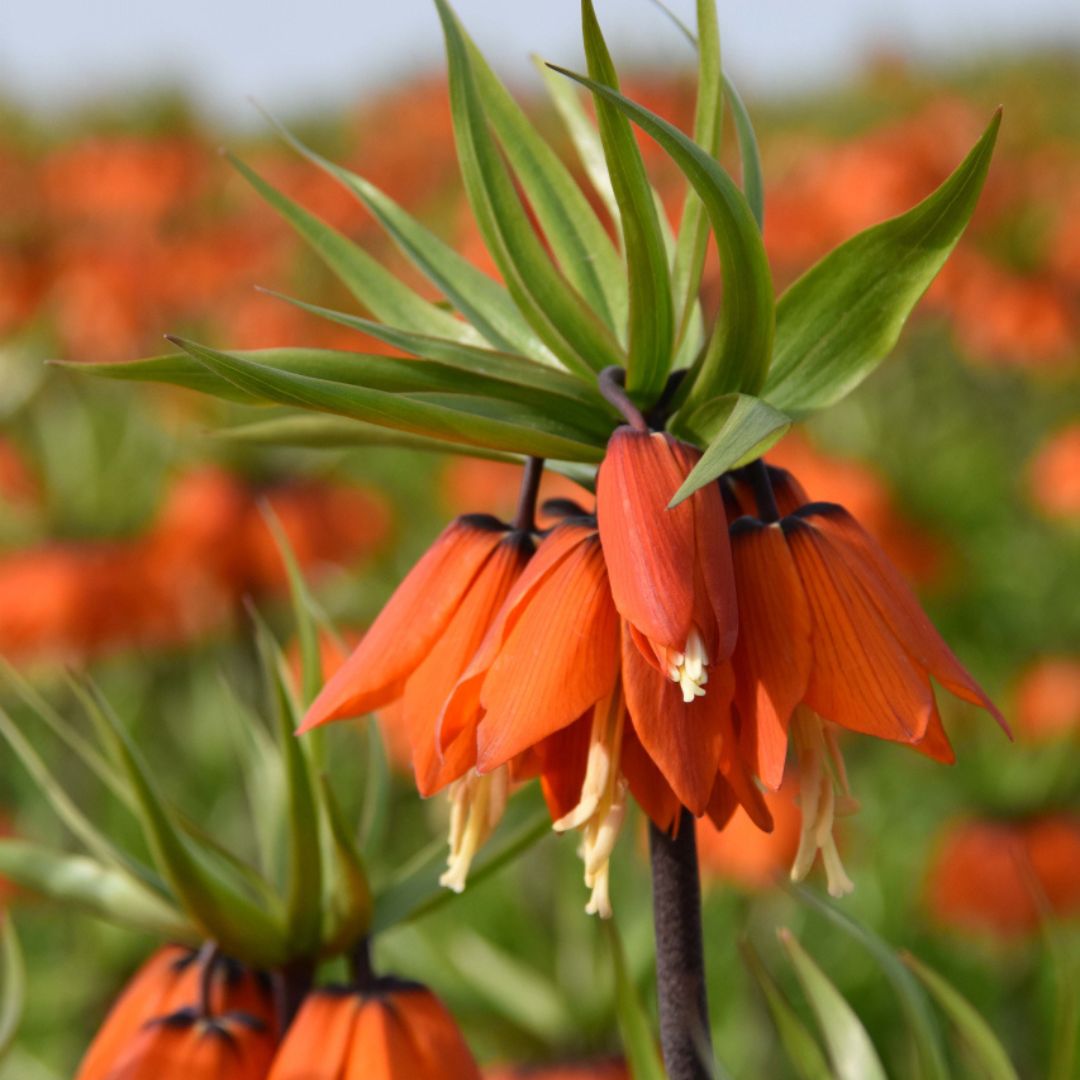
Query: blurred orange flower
[(1054, 475), (998, 876), (1048, 699)]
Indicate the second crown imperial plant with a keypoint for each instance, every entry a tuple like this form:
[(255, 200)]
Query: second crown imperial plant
[(680, 643)]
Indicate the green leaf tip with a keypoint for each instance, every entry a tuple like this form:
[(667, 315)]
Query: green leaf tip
[(838, 321)]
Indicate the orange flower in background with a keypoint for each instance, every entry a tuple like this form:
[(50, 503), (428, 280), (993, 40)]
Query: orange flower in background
[(392, 1030), (1054, 475), (151, 1020), (1002, 877), (466, 482), (741, 853), (831, 637), (1048, 699)]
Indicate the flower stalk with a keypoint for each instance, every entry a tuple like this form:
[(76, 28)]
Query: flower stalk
[(680, 956)]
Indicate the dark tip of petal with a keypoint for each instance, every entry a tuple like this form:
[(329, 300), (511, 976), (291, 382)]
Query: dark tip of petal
[(819, 509), (562, 508), (745, 524), (486, 522)]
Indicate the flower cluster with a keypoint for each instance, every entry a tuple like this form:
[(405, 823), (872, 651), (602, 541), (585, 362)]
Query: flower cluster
[(669, 653)]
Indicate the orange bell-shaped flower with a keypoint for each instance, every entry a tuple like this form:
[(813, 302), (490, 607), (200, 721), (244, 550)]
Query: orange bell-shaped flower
[(168, 982), (425, 636), (156, 1006), (391, 1030)]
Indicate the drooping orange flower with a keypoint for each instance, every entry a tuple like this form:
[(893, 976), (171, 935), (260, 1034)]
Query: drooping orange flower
[(831, 637), (390, 1031), (672, 583), (425, 636), (166, 986)]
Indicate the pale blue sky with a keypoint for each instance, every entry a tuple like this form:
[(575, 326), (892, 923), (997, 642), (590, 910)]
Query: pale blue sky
[(292, 55)]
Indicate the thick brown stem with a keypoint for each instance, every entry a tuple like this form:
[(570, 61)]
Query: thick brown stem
[(680, 958)]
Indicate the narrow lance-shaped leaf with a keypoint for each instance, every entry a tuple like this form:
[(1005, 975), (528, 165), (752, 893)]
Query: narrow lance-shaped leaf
[(553, 307), (739, 349), (401, 412), (84, 883), (916, 1009), (474, 361), (583, 134), (652, 316), (693, 239), (303, 903), (12, 984), (241, 927), (325, 432), (638, 1039), (843, 316), (481, 299), (577, 237), (347, 901), (802, 1050), (87, 832), (982, 1044), (368, 280), (851, 1052), (737, 429)]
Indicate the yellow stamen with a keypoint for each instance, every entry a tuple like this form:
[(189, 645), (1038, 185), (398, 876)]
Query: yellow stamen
[(602, 807), (477, 803), (817, 800), (688, 668)]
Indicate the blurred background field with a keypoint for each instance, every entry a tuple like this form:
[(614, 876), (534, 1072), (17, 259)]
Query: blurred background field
[(131, 539)]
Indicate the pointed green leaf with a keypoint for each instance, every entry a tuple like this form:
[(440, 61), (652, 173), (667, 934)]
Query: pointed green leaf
[(549, 438), (985, 1049), (638, 1039), (242, 928), (738, 429), (578, 239), (851, 1052), (347, 901), (502, 367), (708, 125), (12, 984), (389, 299), (304, 888), (652, 316), (481, 299), (917, 1012), (739, 349), (81, 826), (90, 886), (375, 809), (323, 432), (583, 134), (801, 1048), (843, 316), (753, 179), (555, 310)]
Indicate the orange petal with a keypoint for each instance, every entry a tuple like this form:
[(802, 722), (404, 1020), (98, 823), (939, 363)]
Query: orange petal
[(773, 654), (560, 658), (564, 757), (861, 677), (317, 1044), (410, 623), (441, 1050), (429, 686), (898, 605), (462, 710), (935, 743), (684, 740), (716, 607), (788, 492), (381, 1048), (647, 784), (649, 549), (722, 803)]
